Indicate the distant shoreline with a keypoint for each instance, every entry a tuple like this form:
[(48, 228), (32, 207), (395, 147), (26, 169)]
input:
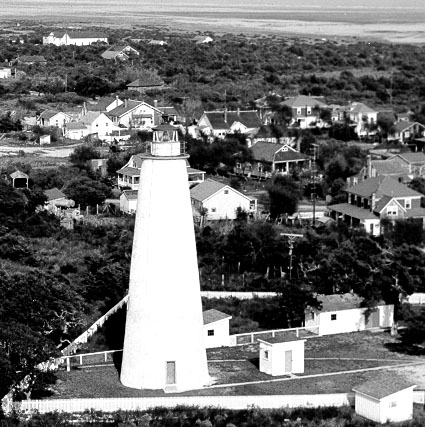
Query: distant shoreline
[(304, 25)]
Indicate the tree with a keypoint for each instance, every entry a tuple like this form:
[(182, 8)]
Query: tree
[(284, 194), (87, 192), (9, 124), (93, 85), (82, 155)]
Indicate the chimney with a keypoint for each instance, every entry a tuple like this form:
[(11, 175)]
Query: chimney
[(225, 115), (369, 166), (125, 103), (372, 201), (155, 103)]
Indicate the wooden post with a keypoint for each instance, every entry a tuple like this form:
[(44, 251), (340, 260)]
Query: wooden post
[(68, 364), (106, 356), (81, 359)]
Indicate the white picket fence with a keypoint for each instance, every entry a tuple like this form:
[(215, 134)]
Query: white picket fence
[(145, 403), (238, 295), (419, 396)]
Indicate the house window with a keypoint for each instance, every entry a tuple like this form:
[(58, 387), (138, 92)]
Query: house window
[(266, 354), (407, 204), (313, 315), (393, 405), (210, 332), (213, 209), (226, 191), (333, 316)]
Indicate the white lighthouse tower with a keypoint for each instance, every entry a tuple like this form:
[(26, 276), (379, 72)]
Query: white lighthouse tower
[(163, 344)]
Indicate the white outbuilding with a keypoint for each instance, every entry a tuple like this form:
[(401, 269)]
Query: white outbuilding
[(341, 313), (128, 201), (282, 355), (216, 328), (385, 400)]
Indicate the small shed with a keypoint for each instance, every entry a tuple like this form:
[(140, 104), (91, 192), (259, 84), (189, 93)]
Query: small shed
[(19, 179), (216, 328), (128, 201), (385, 400), (282, 355)]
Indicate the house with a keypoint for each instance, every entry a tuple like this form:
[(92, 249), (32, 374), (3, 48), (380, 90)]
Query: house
[(217, 124), (77, 38), (389, 167), (341, 313), (221, 200), (135, 114), (158, 42), (5, 73), (76, 130), (266, 107), (143, 85), (216, 328), (202, 39), (383, 401), (56, 198), (51, 118), (405, 131), (98, 123), (128, 201), (363, 117), (169, 114), (269, 159), (129, 174), (104, 104), (30, 60), (119, 53), (414, 162), (282, 355), (305, 110), (376, 198)]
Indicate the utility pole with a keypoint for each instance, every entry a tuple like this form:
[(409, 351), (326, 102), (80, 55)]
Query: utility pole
[(291, 238), (314, 171)]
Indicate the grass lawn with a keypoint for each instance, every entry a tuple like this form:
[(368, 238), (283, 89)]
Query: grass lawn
[(233, 365)]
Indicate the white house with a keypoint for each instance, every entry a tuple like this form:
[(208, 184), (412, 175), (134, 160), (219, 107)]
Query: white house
[(136, 114), (128, 201), (80, 38), (363, 117), (75, 130), (282, 355), (340, 313), (202, 39), (216, 328), (221, 200), (305, 110), (5, 73), (119, 52), (98, 123), (52, 118), (385, 400)]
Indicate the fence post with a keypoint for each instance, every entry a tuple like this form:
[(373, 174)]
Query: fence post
[(106, 356), (68, 364), (252, 338), (273, 333), (81, 359), (298, 332)]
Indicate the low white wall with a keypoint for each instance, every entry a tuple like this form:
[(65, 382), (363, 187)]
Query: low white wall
[(238, 295), (144, 403)]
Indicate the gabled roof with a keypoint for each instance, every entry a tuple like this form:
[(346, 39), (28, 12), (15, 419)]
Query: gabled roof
[(53, 194), (418, 157), (124, 109), (206, 189), (127, 170), (360, 108), (379, 388), (223, 120), (382, 186), (102, 104), (112, 54), (91, 116), (145, 83), (382, 203), (130, 194), (388, 167), (34, 58), (18, 174), (269, 152), (211, 316), (405, 124), (75, 126), (48, 114), (337, 302), (290, 156), (303, 101)]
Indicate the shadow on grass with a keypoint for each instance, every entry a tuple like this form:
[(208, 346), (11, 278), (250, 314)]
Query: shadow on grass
[(255, 361), (406, 347)]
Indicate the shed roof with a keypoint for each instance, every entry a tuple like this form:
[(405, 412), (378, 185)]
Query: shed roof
[(353, 211), (53, 194), (379, 388), (213, 315), (130, 194), (286, 337)]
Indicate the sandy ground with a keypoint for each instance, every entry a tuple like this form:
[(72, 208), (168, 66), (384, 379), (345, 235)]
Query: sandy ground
[(414, 374), (11, 150)]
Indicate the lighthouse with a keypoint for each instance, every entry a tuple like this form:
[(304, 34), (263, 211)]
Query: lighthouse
[(163, 344)]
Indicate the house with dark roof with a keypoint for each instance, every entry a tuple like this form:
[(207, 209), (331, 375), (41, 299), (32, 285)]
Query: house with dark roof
[(77, 38), (135, 114), (385, 399), (216, 328), (217, 124), (414, 162), (119, 53), (145, 84), (220, 200), (341, 313), (375, 199), (104, 104), (270, 159), (305, 110)]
